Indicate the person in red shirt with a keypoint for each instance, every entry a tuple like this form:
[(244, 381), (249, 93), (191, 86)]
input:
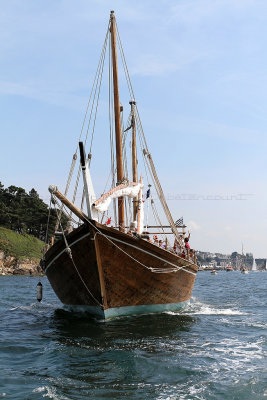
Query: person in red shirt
[(187, 245)]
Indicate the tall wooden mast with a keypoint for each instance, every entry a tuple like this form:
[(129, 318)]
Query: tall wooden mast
[(134, 157), (117, 117)]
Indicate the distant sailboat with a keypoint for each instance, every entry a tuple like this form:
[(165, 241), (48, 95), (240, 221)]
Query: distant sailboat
[(254, 266)]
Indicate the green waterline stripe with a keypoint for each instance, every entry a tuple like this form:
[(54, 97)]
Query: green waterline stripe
[(128, 310)]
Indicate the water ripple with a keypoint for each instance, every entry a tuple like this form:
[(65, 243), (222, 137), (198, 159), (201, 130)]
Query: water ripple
[(215, 349)]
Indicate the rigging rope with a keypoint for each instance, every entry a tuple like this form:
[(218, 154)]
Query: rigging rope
[(96, 90), (48, 218), (69, 252), (156, 215), (100, 84), (98, 68), (152, 269), (149, 162), (94, 102)]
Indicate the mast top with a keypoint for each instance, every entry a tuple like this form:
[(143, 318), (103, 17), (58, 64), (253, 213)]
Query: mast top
[(112, 14), (132, 102)]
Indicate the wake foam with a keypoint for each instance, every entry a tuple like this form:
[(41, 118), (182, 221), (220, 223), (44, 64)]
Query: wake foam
[(198, 308)]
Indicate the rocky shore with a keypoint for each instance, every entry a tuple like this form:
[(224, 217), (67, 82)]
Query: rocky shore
[(10, 265)]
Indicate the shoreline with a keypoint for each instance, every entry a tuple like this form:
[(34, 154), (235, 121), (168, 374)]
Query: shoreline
[(10, 265)]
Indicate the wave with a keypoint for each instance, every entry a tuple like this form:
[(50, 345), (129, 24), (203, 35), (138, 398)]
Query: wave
[(51, 393), (198, 308), (35, 306)]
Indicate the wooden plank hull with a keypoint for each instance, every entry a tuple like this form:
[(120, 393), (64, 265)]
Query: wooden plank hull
[(110, 273)]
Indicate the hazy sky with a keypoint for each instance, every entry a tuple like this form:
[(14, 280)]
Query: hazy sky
[(199, 70)]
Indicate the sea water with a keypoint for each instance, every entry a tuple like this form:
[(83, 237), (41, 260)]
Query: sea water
[(215, 349)]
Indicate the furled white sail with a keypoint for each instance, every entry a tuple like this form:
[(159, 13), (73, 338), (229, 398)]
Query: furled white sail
[(128, 189), (90, 193)]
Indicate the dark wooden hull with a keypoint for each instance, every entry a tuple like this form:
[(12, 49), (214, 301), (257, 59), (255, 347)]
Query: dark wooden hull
[(112, 273)]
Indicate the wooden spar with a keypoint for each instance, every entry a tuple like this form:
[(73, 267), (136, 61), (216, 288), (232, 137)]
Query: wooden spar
[(162, 198), (117, 117), (159, 233), (134, 157), (54, 190), (134, 154), (164, 226), (139, 209)]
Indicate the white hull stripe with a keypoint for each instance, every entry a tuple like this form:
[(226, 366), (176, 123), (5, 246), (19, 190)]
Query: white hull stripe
[(120, 241)]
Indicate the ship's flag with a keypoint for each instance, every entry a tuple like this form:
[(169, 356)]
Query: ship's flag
[(179, 222), (148, 194), (108, 221)]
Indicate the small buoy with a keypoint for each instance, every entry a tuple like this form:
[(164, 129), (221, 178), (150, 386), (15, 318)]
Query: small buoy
[(39, 291)]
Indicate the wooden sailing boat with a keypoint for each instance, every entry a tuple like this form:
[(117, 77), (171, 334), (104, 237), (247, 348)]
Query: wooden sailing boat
[(113, 271)]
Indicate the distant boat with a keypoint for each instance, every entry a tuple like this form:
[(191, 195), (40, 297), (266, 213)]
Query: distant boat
[(214, 272), (228, 269), (254, 265), (244, 271), (117, 270)]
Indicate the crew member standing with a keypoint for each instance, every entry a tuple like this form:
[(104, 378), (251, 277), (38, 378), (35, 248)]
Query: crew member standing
[(187, 245)]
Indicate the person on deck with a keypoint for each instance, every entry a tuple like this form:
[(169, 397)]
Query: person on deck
[(177, 246), (161, 244), (192, 254), (186, 241), (187, 245)]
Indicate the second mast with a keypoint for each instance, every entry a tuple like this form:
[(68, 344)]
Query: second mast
[(117, 118)]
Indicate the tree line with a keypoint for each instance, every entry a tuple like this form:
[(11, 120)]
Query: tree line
[(26, 213)]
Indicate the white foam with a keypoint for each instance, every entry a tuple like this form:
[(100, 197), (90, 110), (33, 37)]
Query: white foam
[(198, 308), (35, 306), (206, 310), (39, 389), (50, 393)]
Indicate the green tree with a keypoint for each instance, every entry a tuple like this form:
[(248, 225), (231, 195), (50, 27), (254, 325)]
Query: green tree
[(26, 212)]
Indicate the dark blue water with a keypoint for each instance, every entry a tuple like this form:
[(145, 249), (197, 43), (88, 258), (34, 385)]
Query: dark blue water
[(216, 349)]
